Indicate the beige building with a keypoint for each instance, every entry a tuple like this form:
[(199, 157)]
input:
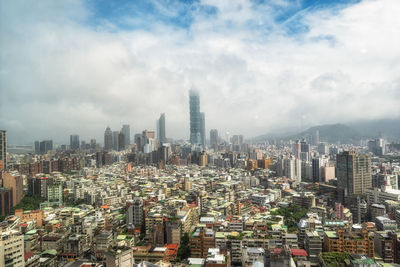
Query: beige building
[(12, 249), (14, 182)]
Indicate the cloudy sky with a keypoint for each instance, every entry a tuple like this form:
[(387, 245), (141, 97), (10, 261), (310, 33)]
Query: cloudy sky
[(77, 66)]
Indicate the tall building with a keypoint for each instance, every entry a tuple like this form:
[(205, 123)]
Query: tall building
[(203, 129), (127, 134), (214, 138), (6, 201), (12, 249), (108, 139), (195, 118), (161, 135), (74, 142), (121, 141), (317, 164), (16, 184), (354, 174), (135, 213), (37, 147), (44, 146), (115, 136), (3, 149)]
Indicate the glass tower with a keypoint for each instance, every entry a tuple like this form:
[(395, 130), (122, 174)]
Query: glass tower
[(195, 118)]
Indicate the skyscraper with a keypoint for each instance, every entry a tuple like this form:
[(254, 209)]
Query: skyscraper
[(127, 134), (161, 135), (214, 138), (115, 135), (3, 148), (108, 139), (45, 146), (74, 142), (353, 173), (203, 129), (195, 118), (121, 141)]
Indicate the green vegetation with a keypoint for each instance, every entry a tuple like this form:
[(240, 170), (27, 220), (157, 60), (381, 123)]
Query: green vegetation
[(70, 202), (291, 215), (184, 248), (28, 202), (332, 259)]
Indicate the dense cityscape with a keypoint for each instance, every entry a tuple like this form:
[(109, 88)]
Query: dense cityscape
[(152, 201), (200, 133)]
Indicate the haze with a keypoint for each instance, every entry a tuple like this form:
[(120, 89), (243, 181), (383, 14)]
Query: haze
[(77, 66)]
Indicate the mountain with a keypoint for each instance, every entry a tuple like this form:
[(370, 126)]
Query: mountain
[(388, 128), (331, 133)]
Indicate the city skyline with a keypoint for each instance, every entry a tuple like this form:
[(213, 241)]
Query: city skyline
[(80, 66)]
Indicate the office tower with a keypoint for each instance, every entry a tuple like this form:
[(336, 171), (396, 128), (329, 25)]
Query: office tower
[(138, 142), (115, 135), (203, 129), (214, 138), (317, 164), (315, 137), (12, 249), (108, 139), (127, 134), (353, 174), (37, 147), (161, 135), (16, 184), (304, 151), (195, 118), (45, 146), (74, 142), (121, 141), (3, 149)]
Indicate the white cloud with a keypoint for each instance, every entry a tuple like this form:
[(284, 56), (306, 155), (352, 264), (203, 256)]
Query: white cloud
[(59, 76)]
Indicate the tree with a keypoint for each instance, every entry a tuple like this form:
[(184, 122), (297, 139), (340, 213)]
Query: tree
[(184, 248)]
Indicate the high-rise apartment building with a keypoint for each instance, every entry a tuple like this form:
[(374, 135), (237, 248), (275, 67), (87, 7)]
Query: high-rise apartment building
[(108, 139), (214, 138), (3, 149), (138, 215), (74, 142), (16, 184), (127, 134), (354, 174), (161, 134), (12, 249), (195, 118), (6, 201)]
